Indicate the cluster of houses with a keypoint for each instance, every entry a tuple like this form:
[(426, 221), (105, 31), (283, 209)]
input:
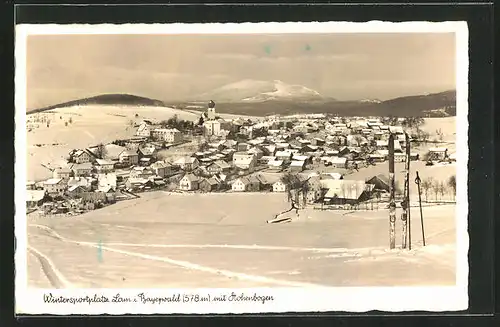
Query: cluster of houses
[(253, 161)]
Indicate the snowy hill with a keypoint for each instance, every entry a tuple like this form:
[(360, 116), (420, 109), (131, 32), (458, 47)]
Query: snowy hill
[(260, 91)]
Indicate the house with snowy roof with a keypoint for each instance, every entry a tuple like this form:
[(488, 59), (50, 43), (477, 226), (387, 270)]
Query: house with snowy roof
[(82, 169), (246, 184), (129, 157), (80, 156), (346, 191), (62, 172), (218, 166), (34, 198), (187, 163), (103, 165), (244, 160), (161, 168), (55, 186), (189, 182)]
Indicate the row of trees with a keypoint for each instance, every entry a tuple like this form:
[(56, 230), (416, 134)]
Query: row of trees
[(439, 188), (180, 124)]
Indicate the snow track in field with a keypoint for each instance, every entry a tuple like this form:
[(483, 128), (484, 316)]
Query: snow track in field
[(55, 275)]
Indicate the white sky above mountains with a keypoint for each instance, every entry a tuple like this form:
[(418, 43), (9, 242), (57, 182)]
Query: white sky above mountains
[(61, 68)]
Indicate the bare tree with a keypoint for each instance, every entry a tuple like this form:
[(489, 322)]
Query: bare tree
[(442, 189), (452, 183), (343, 190), (296, 191), (426, 185), (101, 151), (436, 189)]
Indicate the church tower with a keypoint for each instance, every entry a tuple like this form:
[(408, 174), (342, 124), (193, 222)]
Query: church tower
[(211, 110)]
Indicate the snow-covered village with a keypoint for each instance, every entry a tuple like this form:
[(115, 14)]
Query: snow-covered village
[(324, 155), (210, 171)]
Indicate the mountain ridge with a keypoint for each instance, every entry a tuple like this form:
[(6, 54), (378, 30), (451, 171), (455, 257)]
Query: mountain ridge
[(440, 104)]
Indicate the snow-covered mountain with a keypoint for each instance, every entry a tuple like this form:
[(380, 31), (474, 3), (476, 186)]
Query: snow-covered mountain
[(259, 91), (370, 101)]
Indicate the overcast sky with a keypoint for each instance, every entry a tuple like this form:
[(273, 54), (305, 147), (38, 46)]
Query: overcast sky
[(178, 67)]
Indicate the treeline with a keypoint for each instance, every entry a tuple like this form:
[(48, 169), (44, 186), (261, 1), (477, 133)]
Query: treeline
[(180, 124)]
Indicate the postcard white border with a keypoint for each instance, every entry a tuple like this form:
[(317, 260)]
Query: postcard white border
[(358, 299)]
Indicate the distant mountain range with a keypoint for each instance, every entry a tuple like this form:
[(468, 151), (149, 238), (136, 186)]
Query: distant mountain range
[(261, 98), (253, 91)]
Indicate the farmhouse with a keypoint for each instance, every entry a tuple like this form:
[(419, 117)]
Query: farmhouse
[(187, 163), (297, 166), (136, 184), (380, 182), (189, 182), (62, 172), (275, 165), (438, 153), (246, 184), (279, 186), (145, 128), (210, 184), (141, 172), (146, 151), (54, 186), (86, 182), (161, 168), (82, 169), (346, 191), (76, 190), (129, 157), (219, 166), (105, 165), (79, 156), (169, 135), (244, 160), (286, 156), (34, 198)]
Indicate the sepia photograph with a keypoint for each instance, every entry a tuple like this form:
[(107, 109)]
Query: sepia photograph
[(250, 159)]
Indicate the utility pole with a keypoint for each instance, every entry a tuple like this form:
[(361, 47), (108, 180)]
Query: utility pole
[(392, 203)]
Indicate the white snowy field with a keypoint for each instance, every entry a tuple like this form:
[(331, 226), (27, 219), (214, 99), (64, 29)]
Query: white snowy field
[(223, 240)]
